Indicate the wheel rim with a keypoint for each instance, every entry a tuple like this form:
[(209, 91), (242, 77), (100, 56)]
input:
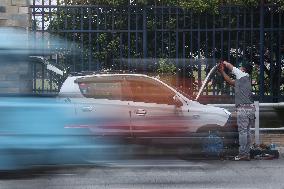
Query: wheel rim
[(213, 144)]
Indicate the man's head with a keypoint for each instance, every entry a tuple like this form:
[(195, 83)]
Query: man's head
[(246, 67)]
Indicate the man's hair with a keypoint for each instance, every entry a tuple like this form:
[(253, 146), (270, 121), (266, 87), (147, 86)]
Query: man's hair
[(248, 66)]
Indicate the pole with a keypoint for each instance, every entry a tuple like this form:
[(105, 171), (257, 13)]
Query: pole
[(257, 140), (261, 52)]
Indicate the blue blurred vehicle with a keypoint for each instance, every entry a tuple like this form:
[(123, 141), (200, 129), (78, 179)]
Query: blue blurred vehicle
[(34, 131)]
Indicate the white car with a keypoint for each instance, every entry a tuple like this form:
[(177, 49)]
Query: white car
[(145, 109), (93, 114)]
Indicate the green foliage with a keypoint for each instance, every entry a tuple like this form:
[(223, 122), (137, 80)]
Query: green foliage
[(280, 3), (109, 47), (200, 5), (195, 5), (93, 2), (166, 67)]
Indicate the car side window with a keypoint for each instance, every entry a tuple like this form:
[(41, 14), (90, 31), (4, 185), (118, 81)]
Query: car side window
[(111, 90), (151, 92)]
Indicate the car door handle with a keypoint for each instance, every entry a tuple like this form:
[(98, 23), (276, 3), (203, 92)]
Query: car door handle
[(140, 112), (87, 108), (196, 116)]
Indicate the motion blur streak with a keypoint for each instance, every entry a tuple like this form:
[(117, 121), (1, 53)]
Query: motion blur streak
[(32, 133), (20, 42)]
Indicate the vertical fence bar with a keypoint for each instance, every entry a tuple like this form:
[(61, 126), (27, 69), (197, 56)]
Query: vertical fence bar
[(198, 50), (34, 77), (82, 38), (120, 51), (42, 78), (136, 32), (191, 52), (74, 38), (207, 63), (98, 11), (177, 34), (105, 16), (224, 85), (271, 52), (112, 33), (185, 75), (257, 140), (169, 33), (42, 45), (34, 46), (251, 44), (261, 51), (229, 45), (222, 39), (144, 33), (251, 33), (214, 48), (90, 54), (177, 48), (244, 33), (162, 50), (128, 38), (155, 37), (64, 26), (50, 81), (279, 56), (238, 31), (229, 34)]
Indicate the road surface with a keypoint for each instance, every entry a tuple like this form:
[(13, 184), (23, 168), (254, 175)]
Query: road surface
[(153, 173)]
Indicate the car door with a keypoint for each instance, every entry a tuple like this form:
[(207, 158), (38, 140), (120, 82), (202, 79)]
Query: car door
[(155, 112), (103, 109)]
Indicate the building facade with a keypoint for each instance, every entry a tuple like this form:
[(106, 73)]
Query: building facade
[(15, 71)]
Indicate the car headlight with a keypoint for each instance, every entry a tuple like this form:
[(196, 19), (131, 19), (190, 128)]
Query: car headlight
[(227, 112)]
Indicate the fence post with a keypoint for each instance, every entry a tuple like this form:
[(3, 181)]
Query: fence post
[(256, 127), (261, 52), (144, 33)]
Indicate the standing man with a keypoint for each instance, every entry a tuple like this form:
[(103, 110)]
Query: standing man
[(244, 104)]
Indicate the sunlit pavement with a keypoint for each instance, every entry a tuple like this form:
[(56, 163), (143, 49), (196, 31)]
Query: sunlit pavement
[(153, 173)]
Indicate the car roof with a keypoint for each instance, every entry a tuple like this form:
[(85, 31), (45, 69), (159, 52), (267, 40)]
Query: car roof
[(97, 77), (70, 86), (109, 75)]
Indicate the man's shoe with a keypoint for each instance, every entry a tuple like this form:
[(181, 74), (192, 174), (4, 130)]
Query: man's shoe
[(242, 158)]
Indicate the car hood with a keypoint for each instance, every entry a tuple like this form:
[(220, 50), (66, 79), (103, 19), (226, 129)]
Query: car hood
[(210, 114)]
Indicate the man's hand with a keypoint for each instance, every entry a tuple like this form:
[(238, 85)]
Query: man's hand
[(227, 65), (221, 67), (225, 62)]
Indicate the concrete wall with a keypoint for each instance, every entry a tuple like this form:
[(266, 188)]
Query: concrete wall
[(15, 75), (15, 71), (269, 138), (14, 13)]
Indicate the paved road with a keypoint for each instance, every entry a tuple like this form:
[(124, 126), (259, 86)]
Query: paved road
[(155, 173)]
